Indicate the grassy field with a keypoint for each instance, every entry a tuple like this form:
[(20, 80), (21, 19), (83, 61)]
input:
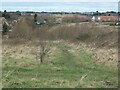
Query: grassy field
[(82, 55), (67, 67)]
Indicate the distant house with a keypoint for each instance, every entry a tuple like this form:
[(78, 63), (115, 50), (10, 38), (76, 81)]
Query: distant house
[(75, 18), (41, 21), (105, 18), (23, 13), (108, 18), (93, 18)]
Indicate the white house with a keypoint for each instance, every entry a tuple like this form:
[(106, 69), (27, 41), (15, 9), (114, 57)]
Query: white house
[(93, 18)]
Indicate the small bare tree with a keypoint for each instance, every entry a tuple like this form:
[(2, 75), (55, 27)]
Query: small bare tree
[(43, 50)]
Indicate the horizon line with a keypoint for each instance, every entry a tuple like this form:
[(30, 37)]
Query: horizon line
[(59, 11)]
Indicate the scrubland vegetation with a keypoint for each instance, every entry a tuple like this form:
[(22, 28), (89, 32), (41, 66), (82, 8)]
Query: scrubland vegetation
[(69, 55)]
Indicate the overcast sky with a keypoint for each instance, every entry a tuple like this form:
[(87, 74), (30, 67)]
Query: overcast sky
[(60, 5), (59, 0)]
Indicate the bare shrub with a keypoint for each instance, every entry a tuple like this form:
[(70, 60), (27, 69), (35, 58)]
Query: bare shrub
[(22, 30), (90, 33), (21, 33), (43, 50), (71, 32), (83, 35)]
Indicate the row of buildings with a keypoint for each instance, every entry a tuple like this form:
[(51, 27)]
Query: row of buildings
[(106, 18), (89, 18)]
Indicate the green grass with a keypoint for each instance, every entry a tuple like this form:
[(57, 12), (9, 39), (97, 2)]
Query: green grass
[(67, 69)]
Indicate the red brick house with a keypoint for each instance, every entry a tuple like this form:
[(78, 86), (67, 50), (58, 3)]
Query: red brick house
[(107, 18), (77, 17)]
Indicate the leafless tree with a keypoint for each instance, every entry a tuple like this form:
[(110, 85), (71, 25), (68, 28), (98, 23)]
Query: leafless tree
[(43, 50)]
